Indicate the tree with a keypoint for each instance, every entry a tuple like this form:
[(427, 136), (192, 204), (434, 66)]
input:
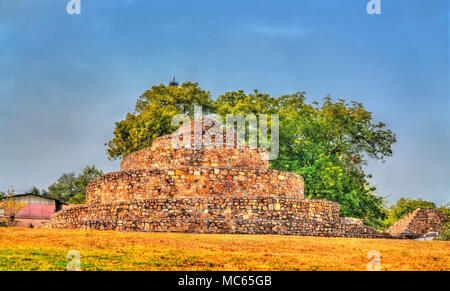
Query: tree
[(153, 115), (328, 144), (237, 102), (10, 207), (445, 232), (71, 188), (35, 190)]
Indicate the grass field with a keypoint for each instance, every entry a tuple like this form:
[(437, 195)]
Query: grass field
[(41, 249)]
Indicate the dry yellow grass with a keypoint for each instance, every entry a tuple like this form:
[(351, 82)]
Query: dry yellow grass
[(42, 249)]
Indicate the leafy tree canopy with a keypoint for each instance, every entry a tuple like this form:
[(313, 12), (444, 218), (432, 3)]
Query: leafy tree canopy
[(328, 144), (153, 115), (35, 190), (71, 188)]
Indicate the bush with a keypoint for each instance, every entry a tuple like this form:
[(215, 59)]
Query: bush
[(445, 209), (445, 233), (3, 223)]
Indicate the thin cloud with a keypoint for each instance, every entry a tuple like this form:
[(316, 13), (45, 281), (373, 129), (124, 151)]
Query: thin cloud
[(285, 31)]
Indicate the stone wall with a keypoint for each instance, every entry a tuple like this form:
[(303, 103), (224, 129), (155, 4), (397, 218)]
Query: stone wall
[(215, 215), (419, 222), (161, 157), (193, 182), (210, 135)]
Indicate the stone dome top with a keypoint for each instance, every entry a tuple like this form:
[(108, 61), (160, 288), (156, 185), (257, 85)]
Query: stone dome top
[(200, 143), (203, 132)]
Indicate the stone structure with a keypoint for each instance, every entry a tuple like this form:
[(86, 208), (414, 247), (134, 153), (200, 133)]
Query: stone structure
[(418, 223), (215, 186)]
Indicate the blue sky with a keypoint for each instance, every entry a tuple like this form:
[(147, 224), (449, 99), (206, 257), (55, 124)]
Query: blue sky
[(65, 79)]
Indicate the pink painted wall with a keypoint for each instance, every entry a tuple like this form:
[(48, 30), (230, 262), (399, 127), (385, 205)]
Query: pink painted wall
[(36, 211)]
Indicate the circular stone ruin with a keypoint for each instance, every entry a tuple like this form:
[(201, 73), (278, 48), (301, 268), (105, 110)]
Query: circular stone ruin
[(223, 187)]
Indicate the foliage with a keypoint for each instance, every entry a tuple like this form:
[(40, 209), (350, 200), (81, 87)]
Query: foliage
[(153, 115), (445, 233), (35, 190), (328, 145), (10, 207), (237, 102), (71, 188), (445, 209)]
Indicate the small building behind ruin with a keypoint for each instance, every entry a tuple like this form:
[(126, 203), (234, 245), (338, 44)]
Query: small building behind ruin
[(37, 210)]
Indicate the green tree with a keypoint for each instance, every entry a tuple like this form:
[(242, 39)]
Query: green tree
[(153, 115), (328, 144), (35, 190), (238, 102), (445, 232), (71, 188)]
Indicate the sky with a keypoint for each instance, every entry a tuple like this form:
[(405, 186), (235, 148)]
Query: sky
[(66, 79)]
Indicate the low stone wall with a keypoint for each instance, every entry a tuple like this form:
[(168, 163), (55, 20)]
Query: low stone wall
[(193, 182), (215, 215), (419, 222), (161, 157), (221, 226), (210, 207)]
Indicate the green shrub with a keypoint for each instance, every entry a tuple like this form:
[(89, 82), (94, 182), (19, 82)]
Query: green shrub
[(445, 209), (3, 223), (445, 233)]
